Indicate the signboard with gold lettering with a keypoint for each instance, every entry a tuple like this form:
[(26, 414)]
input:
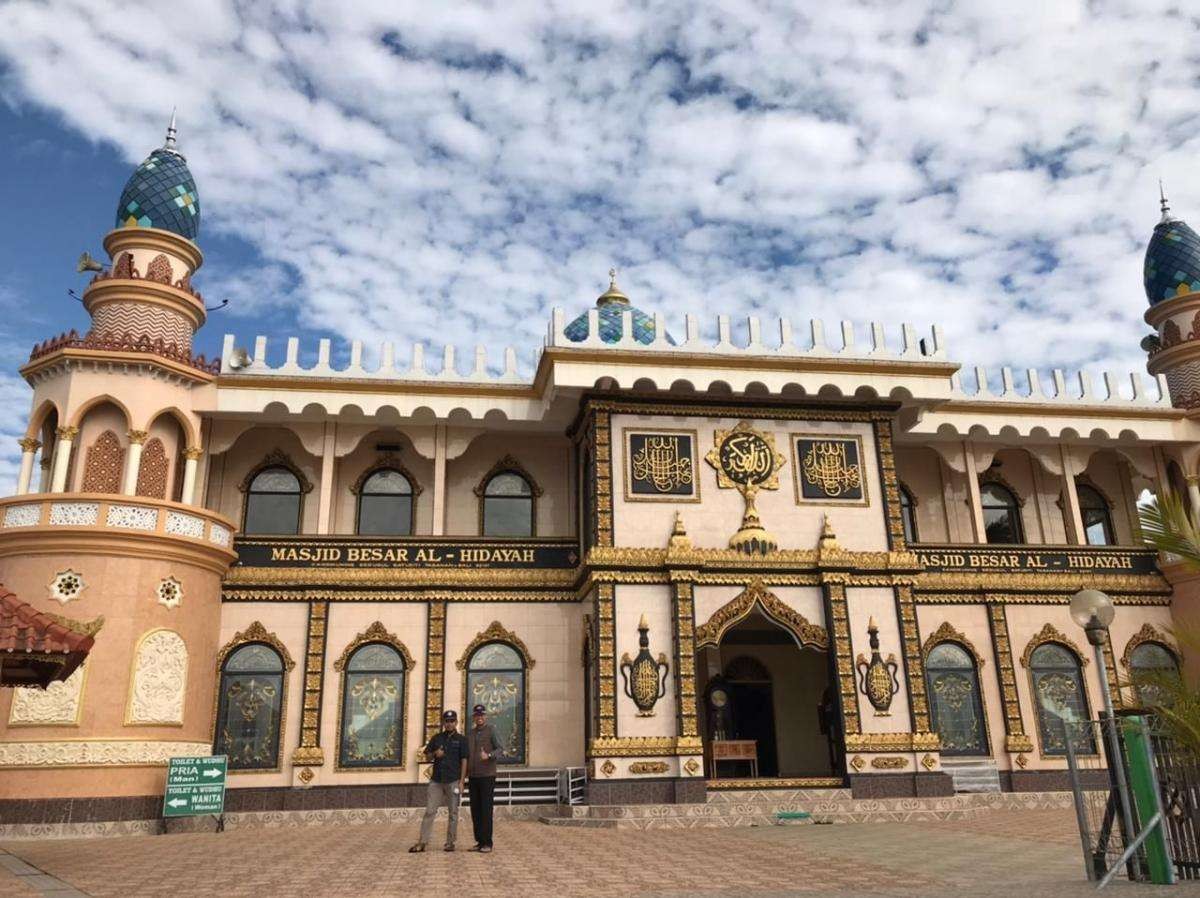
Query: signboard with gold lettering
[(1033, 558), (660, 466), (829, 469), (349, 552)]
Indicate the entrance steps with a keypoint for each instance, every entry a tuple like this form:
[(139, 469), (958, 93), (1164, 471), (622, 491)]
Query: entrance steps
[(769, 807), (972, 774)]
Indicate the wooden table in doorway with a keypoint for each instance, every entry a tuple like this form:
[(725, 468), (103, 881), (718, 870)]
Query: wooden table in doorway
[(733, 750)]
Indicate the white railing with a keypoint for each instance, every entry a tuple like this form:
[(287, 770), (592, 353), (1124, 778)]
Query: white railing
[(528, 785), (1078, 389)]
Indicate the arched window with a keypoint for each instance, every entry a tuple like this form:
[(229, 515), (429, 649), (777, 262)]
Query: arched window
[(250, 709), (1097, 520), (104, 465), (385, 504), (954, 700), (1001, 514), (496, 680), (372, 727), (908, 514), (507, 505), (1061, 701), (273, 502), (152, 470), (1149, 664)]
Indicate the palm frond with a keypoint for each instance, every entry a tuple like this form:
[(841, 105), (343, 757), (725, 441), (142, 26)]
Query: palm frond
[(1167, 526)]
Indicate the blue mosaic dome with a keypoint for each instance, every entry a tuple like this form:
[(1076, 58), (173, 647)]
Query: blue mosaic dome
[(161, 193), (1172, 261), (611, 304)]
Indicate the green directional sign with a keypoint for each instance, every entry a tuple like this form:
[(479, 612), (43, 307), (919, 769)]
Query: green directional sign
[(195, 786)]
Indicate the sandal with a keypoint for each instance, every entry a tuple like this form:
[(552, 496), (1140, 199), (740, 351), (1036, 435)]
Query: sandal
[(448, 848), (417, 849)]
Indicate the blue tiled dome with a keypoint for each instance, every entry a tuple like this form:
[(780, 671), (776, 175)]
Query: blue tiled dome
[(1172, 261), (161, 193), (610, 306)]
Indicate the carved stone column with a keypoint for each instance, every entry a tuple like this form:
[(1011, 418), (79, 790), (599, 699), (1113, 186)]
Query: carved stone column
[(684, 618), (606, 670), (1015, 739), (309, 754), (133, 462), (29, 447), (62, 458), (191, 459), (435, 677)]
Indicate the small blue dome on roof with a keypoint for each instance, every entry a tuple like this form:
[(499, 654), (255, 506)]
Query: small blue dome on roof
[(1172, 265), (161, 193), (611, 305)]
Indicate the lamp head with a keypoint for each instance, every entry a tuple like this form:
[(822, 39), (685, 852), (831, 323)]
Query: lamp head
[(1092, 609)]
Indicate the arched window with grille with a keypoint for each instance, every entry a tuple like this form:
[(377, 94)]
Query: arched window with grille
[(1096, 516), (273, 501), (908, 514), (1001, 514), (373, 703), (1150, 663), (1062, 704), (507, 504), (385, 504), (496, 679), (250, 707), (955, 702)]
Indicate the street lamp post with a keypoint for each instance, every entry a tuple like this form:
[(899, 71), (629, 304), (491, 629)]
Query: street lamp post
[(1093, 611)]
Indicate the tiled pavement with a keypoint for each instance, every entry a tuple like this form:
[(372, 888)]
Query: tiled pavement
[(1004, 853)]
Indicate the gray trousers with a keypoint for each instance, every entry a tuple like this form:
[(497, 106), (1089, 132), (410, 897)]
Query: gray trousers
[(441, 794)]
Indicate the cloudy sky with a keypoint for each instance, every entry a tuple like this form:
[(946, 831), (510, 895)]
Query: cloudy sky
[(374, 170)]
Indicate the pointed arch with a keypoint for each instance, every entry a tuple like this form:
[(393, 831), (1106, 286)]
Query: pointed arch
[(1050, 633), (756, 595), (101, 399), (40, 416), (377, 632), (495, 632), (1148, 633), (947, 633)]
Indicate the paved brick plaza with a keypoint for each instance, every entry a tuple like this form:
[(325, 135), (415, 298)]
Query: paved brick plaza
[(1011, 853)]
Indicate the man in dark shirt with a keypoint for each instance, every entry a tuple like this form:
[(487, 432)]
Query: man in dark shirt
[(485, 747), (447, 751)]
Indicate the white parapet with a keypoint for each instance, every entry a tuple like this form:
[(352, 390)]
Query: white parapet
[(1078, 389)]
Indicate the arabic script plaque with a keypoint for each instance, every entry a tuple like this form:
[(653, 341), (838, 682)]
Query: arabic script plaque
[(661, 465), (829, 469), (746, 460)]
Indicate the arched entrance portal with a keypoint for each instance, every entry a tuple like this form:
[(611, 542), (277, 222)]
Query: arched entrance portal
[(762, 676)]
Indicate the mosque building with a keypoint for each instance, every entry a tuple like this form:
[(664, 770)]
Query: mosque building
[(669, 567)]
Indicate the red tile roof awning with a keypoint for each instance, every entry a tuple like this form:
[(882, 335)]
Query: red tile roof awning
[(37, 648)]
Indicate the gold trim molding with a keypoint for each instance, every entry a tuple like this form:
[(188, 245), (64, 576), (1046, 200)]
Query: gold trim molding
[(377, 632), (1148, 633), (947, 633), (494, 633), (96, 753), (756, 595), (1050, 633), (645, 746), (873, 742)]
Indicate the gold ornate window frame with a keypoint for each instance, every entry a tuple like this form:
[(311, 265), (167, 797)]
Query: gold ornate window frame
[(375, 634), (496, 632), (1149, 633), (255, 633), (794, 438), (276, 458), (756, 595), (387, 462), (509, 465), (628, 432), (946, 632), (1051, 634)]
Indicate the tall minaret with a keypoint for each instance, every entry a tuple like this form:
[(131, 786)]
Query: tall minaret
[(1172, 279)]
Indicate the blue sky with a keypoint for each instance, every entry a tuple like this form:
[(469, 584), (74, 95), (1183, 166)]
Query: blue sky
[(375, 171)]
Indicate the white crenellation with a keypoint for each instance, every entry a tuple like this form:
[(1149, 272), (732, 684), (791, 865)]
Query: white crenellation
[(1078, 389)]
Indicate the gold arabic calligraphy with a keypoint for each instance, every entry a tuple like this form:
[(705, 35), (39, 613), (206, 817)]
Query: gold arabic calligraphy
[(747, 459), (661, 464), (827, 467)]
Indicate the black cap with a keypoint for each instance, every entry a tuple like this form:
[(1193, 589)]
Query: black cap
[(449, 715), (479, 709)]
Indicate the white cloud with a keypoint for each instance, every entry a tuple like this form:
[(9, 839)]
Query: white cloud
[(450, 176)]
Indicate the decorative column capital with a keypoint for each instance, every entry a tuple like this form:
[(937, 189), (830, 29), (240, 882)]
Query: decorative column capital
[(1192, 479), (29, 444), (137, 437), (193, 453), (67, 432)]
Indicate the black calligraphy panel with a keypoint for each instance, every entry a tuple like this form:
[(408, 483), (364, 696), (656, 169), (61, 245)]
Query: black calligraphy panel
[(830, 469), (661, 465)]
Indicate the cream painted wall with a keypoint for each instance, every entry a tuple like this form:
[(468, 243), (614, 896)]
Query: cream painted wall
[(553, 633), (349, 467), (228, 469), (546, 458), (717, 516), (344, 623), (922, 471)]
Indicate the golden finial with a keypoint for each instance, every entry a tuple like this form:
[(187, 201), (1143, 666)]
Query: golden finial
[(643, 624), (613, 294)]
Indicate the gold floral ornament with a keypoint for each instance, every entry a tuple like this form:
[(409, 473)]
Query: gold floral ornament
[(645, 678), (746, 460), (877, 679)]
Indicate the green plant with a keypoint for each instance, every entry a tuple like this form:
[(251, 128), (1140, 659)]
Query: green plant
[(1167, 525)]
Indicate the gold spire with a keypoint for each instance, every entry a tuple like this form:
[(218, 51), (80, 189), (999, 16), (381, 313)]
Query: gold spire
[(613, 295)]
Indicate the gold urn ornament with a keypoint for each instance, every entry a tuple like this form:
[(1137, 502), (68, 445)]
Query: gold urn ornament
[(878, 678), (645, 679), (746, 460)]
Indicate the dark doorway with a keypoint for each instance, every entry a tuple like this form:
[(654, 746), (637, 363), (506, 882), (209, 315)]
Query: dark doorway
[(754, 718)]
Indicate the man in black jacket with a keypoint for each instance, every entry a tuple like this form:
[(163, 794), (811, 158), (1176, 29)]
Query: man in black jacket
[(485, 747), (447, 751)]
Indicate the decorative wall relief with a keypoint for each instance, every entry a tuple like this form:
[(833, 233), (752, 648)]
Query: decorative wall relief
[(169, 592), (159, 679), (747, 460), (645, 679), (66, 586), (877, 679), (661, 466), (829, 470), (56, 705), (648, 767)]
